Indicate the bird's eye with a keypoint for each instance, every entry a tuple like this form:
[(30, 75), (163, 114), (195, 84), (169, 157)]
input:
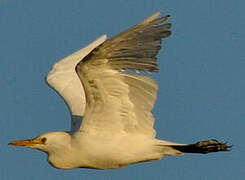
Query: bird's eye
[(44, 140)]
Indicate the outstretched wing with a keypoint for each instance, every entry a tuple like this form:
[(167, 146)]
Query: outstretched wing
[(118, 101), (64, 80)]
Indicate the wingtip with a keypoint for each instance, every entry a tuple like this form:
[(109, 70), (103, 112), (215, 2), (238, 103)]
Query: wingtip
[(156, 14), (102, 37), (155, 17), (152, 17)]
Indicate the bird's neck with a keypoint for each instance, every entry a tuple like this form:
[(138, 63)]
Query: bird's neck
[(62, 159)]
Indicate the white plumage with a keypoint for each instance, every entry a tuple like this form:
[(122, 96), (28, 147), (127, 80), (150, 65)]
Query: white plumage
[(112, 123), (64, 79)]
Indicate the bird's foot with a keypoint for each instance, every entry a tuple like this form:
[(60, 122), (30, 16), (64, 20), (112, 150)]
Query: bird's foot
[(204, 147), (211, 145)]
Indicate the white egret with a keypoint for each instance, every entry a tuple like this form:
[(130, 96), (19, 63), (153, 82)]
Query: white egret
[(112, 123)]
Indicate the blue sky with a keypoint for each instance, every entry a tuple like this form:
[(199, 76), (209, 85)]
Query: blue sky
[(201, 78)]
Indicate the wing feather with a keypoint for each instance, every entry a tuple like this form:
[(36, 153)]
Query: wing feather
[(64, 80), (117, 101)]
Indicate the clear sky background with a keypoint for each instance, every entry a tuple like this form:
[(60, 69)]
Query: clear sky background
[(202, 82)]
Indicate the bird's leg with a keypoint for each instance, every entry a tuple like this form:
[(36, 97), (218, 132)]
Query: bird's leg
[(204, 147)]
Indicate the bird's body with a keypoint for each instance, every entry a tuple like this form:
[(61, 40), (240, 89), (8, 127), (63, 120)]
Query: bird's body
[(103, 152), (112, 123)]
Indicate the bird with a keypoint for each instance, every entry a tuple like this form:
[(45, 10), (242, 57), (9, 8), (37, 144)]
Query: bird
[(110, 96)]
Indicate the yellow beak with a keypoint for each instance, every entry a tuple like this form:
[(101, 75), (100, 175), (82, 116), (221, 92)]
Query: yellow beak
[(27, 142)]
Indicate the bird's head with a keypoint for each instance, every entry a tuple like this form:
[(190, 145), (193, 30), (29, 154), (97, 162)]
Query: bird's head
[(46, 142)]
